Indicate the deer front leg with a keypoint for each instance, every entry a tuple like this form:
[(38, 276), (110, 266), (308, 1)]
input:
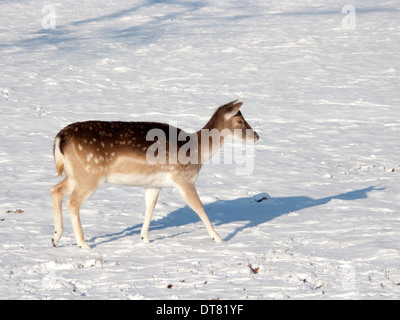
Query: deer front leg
[(150, 196), (189, 194)]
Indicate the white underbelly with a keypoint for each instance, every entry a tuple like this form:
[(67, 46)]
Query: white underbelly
[(154, 180)]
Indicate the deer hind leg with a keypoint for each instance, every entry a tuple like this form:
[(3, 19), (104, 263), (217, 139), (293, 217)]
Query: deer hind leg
[(78, 196), (151, 196), (189, 194), (58, 192)]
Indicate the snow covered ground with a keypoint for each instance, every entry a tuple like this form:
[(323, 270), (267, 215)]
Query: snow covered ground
[(318, 218)]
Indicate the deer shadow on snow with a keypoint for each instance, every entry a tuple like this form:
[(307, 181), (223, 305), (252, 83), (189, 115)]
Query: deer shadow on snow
[(248, 212)]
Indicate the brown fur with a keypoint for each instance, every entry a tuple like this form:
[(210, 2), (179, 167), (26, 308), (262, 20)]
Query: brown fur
[(93, 152)]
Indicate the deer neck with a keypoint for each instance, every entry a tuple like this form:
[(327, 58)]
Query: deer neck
[(211, 138)]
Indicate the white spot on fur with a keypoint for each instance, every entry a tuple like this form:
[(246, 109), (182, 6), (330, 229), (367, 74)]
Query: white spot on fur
[(89, 157)]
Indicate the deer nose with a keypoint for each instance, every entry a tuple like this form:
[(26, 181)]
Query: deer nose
[(256, 136)]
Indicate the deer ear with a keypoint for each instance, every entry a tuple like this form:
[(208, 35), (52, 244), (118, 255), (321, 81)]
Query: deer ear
[(232, 109)]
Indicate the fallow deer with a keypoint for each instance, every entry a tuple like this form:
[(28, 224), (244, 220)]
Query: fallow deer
[(93, 152)]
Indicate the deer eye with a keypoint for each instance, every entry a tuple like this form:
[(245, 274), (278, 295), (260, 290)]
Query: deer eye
[(240, 122)]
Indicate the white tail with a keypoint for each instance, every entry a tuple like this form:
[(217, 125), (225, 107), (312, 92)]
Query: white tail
[(93, 152)]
